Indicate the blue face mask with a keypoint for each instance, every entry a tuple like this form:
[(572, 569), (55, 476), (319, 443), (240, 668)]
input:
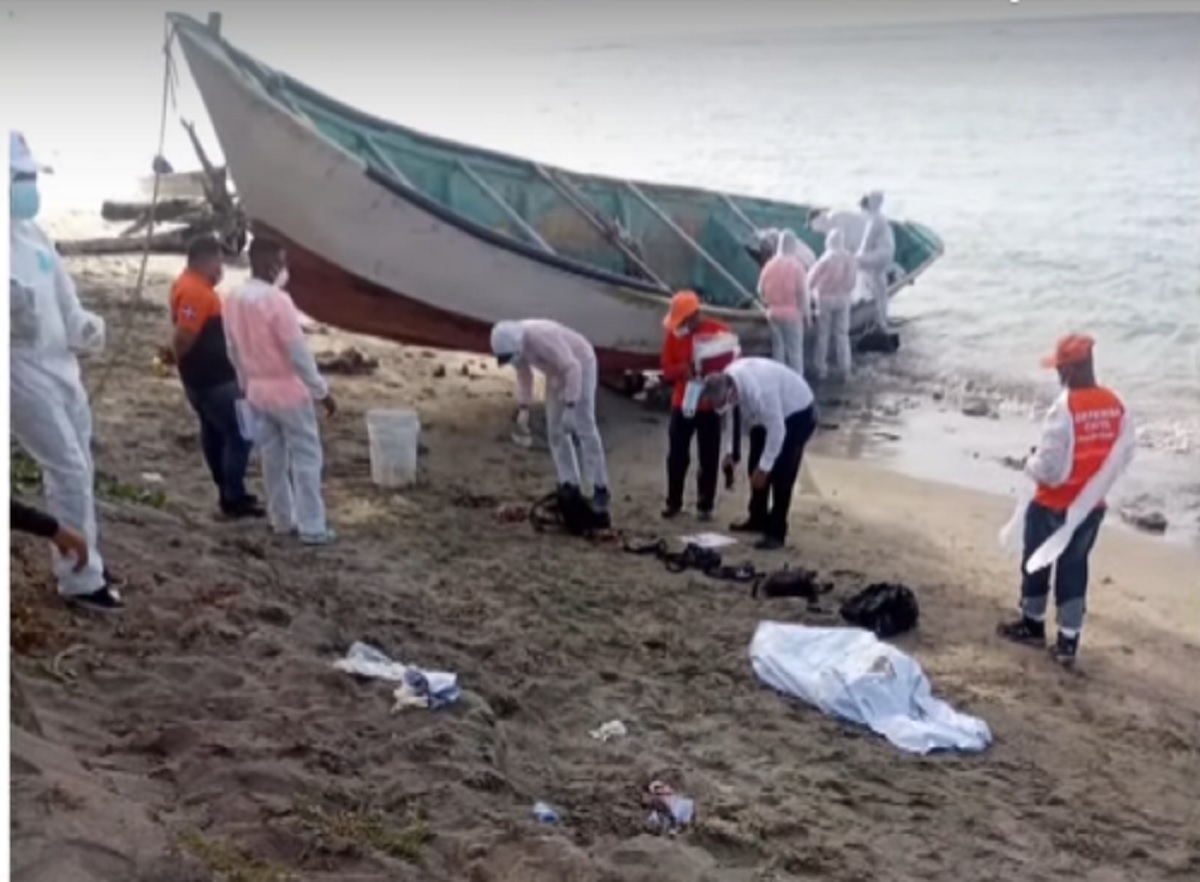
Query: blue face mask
[(24, 201)]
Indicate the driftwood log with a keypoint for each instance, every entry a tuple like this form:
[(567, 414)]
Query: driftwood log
[(168, 242), (167, 210), (217, 214)]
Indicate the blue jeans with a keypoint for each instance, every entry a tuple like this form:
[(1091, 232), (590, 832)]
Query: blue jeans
[(1070, 571), (226, 451)]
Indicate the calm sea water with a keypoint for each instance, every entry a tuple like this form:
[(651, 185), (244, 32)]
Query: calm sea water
[(1060, 161)]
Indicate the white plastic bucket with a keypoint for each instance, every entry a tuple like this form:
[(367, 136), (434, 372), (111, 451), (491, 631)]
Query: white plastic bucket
[(393, 436)]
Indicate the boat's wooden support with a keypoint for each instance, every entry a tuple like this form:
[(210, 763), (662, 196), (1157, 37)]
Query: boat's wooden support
[(691, 243), (372, 147), (509, 211), (603, 225)]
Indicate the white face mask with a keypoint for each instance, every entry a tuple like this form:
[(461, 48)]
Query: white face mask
[(281, 280)]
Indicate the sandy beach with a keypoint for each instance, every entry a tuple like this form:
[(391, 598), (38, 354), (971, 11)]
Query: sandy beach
[(206, 735)]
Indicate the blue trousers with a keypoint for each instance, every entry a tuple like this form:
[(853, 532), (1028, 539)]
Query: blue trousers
[(1070, 571), (226, 451)]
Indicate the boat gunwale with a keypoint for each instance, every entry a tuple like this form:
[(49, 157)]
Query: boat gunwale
[(197, 31)]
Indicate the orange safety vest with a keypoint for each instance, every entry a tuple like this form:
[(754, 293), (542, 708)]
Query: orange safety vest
[(1098, 415)]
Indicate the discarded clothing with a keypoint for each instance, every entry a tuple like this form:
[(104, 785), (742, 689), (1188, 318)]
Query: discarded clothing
[(851, 674), (567, 510), (791, 583), (692, 557), (669, 812), (418, 688), (608, 731), (883, 608)]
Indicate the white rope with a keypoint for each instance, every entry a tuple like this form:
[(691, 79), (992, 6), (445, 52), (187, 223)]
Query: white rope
[(168, 101)]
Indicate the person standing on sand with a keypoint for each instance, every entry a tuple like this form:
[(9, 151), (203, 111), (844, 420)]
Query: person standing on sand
[(779, 408), (685, 324), (568, 362), (876, 255), (790, 310), (1087, 443), (832, 282), (209, 379), (279, 377), (51, 417)]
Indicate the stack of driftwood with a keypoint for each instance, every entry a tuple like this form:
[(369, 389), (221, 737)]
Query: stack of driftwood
[(190, 204)]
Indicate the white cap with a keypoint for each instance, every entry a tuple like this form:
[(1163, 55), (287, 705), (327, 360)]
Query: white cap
[(20, 157)]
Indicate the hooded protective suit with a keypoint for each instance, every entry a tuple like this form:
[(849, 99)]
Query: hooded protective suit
[(51, 415), (790, 310), (875, 256), (280, 380), (832, 282), (569, 363)]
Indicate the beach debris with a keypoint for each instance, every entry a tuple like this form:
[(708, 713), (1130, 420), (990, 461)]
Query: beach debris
[(851, 674), (693, 557), (977, 407), (439, 371), (350, 362), (1147, 521), (608, 731), (212, 212), (887, 609), (546, 813), (418, 688), (669, 811), (512, 513), (709, 540), (793, 583)]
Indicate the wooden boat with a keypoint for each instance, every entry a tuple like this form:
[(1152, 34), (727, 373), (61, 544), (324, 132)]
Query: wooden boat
[(404, 236)]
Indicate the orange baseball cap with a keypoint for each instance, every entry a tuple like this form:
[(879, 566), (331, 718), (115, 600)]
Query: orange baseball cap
[(684, 305), (1071, 349)]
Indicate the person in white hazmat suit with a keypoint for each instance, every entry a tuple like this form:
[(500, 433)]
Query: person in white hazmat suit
[(832, 282), (281, 382), (50, 412), (876, 255), (568, 362)]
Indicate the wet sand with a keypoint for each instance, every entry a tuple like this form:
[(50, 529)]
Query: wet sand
[(205, 735)]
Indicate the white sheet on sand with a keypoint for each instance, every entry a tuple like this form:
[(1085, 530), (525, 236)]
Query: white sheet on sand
[(852, 674)]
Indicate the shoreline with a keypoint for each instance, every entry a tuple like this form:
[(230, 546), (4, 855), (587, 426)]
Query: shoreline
[(909, 424)]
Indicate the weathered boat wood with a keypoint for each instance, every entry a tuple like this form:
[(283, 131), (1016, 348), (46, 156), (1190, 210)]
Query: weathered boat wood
[(422, 240)]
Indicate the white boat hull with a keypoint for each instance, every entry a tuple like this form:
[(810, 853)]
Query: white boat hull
[(365, 258)]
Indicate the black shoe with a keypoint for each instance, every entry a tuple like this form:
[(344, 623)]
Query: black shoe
[(746, 526), (106, 600), (704, 515), (1064, 649), (769, 543), (245, 508), (671, 512), (1024, 631)]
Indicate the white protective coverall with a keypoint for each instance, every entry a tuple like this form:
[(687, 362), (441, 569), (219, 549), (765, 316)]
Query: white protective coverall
[(568, 362), (280, 379), (832, 283), (50, 412), (790, 308), (876, 255)]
